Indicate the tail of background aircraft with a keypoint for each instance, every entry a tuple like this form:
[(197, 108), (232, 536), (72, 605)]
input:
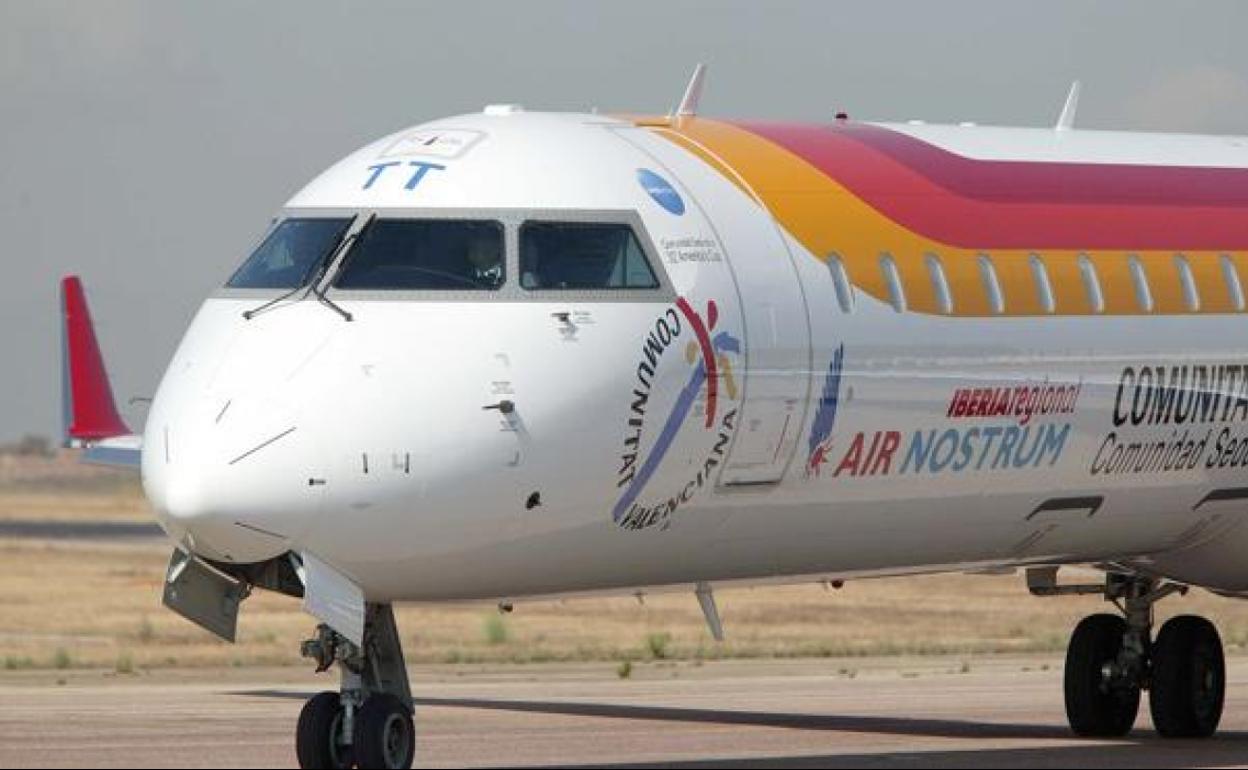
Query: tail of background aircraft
[(88, 409)]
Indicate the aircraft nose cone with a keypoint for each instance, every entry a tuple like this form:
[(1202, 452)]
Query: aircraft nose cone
[(183, 498), (198, 511), (184, 510), (230, 444)]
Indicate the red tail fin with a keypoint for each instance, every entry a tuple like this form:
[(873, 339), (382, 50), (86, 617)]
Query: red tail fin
[(87, 403)]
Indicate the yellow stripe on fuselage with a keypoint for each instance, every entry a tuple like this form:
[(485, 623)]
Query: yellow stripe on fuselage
[(828, 219)]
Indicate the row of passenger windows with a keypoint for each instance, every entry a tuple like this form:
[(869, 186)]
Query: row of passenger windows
[(1042, 284), (447, 255)]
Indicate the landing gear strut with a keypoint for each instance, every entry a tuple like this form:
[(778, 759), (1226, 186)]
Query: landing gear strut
[(369, 723), (1112, 658)]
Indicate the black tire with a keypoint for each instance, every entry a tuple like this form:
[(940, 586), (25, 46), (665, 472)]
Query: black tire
[(316, 737), (385, 738), (1097, 708), (1189, 678)]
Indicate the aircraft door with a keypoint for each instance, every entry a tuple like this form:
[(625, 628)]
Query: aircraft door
[(775, 365), (777, 359)]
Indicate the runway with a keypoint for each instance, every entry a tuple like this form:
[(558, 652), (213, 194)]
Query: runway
[(33, 529), (987, 712)]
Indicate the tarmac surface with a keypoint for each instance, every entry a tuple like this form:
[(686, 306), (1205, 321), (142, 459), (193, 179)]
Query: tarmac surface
[(80, 530), (944, 712)]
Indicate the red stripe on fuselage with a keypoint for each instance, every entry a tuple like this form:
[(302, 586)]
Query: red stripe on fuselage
[(974, 203), (708, 357)]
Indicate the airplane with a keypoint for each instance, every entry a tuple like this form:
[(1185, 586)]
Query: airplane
[(518, 354)]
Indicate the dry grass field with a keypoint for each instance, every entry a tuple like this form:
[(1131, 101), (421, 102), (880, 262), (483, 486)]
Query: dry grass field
[(80, 604), (63, 489)]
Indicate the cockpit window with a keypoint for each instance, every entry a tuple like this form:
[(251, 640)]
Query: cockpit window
[(428, 254), (582, 255), (290, 254)]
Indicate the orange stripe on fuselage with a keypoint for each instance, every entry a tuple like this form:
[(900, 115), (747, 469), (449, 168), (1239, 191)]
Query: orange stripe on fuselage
[(828, 219)]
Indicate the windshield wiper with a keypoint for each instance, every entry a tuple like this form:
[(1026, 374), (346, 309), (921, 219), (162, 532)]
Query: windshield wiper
[(250, 314), (329, 263), (311, 287)]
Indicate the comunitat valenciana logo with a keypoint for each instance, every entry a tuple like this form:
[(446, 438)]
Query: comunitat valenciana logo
[(709, 354), (663, 193)]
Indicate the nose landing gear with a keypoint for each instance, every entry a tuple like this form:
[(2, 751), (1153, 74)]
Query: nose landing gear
[(1112, 658), (369, 723)]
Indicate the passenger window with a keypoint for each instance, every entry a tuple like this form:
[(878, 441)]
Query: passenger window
[(1143, 294), (290, 254), (1191, 295), (988, 274), (940, 284), (840, 281), (582, 255), (1231, 275), (426, 254), (896, 293), (1044, 287), (1091, 284)]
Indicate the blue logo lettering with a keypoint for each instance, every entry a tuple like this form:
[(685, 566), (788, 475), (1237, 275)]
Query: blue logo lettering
[(421, 168), (378, 170), (419, 174)]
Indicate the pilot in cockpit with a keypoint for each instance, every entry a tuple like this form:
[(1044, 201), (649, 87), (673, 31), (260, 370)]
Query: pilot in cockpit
[(484, 259)]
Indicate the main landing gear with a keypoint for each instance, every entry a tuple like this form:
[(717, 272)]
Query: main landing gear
[(1113, 658), (368, 724)]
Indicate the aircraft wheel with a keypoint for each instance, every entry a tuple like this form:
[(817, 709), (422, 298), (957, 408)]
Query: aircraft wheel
[(318, 738), (1189, 678), (384, 734), (1099, 703)]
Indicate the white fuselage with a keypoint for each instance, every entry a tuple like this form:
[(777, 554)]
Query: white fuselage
[(844, 439)]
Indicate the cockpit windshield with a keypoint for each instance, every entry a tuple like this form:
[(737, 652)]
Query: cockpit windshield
[(582, 255), (426, 254), (291, 254)]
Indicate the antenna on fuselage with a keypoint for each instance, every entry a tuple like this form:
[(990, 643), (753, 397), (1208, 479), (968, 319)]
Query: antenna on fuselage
[(1066, 120), (706, 599), (693, 93)]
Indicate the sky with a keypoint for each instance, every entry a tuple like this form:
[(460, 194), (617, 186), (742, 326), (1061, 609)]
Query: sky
[(145, 145)]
